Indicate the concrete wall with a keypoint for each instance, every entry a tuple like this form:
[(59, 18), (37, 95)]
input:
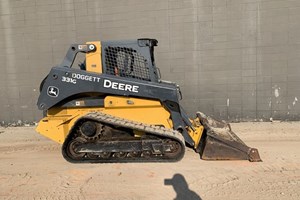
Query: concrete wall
[(234, 59)]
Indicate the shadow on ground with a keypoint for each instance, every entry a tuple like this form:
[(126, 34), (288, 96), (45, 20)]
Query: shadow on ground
[(181, 188)]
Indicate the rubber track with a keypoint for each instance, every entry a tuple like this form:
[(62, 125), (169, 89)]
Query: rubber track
[(121, 122)]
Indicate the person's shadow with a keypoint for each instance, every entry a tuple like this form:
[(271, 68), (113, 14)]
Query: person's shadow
[(181, 188)]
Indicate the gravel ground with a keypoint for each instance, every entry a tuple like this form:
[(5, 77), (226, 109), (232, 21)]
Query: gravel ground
[(32, 167)]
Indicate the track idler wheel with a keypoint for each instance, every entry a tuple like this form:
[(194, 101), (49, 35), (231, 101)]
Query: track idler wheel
[(71, 149), (175, 148)]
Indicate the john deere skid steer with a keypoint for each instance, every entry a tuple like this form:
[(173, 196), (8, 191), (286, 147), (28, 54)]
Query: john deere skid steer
[(115, 108)]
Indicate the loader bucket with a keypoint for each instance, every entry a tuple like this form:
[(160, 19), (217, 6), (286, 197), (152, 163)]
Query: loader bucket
[(220, 143)]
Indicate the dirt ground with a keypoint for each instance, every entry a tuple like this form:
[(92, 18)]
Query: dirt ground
[(32, 167)]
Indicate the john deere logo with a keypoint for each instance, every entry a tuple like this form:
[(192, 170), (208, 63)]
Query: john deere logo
[(53, 91)]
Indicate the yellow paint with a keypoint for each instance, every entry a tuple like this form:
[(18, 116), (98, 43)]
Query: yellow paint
[(146, 111), (93, 59), (196, 135), (59, 121), (126, 102)]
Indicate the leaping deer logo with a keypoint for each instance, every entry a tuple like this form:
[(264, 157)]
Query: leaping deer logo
[(53, 91)]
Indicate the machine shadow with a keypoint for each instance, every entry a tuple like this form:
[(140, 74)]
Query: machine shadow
[(181, 188)]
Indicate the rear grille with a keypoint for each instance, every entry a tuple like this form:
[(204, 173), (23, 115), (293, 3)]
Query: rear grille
[(126, 62)]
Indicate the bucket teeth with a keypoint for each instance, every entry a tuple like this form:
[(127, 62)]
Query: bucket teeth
[(221, 143)]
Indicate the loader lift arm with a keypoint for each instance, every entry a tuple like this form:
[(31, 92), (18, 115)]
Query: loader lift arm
[(72, 52)]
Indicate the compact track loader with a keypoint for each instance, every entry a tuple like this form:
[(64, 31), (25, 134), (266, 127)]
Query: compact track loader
[(116, 108)]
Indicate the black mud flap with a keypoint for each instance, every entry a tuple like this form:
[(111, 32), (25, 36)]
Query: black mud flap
[(220, 143)]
